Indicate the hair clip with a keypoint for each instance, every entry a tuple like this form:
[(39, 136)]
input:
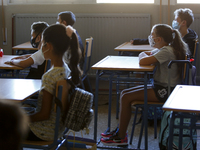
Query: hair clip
[(173, 35)]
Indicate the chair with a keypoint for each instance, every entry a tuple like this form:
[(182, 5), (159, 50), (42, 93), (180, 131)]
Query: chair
[(140, 104), (196, 46), (85, 83), (61, 93), (47, 65)]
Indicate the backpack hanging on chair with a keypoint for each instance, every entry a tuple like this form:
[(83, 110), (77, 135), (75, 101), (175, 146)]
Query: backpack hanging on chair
[(80, 112), (188, 143)]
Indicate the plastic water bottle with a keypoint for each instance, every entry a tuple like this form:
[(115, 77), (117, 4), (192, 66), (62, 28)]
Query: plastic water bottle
[(1, 52)]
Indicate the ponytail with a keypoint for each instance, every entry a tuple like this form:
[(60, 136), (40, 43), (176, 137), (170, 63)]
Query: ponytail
[(180, 47), (74, 59), (173, 38), (63, 41)]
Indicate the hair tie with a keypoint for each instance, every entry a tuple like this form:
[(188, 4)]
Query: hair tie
[(173, 34)]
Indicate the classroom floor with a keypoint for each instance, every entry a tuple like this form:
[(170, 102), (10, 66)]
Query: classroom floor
[(102, 125)]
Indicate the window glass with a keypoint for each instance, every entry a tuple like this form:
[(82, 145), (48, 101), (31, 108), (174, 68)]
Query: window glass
[(125, 1), (50, 1), (188, 1)]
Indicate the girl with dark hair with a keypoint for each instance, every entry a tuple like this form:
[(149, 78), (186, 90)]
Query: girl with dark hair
[(56, 39), (169, 46)]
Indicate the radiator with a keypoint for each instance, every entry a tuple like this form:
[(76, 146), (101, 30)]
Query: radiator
[(108, 30)]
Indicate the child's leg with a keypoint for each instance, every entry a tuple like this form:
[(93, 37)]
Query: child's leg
[(125, 106), (149, 86)]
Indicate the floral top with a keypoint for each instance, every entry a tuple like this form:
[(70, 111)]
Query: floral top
[(45, 129)]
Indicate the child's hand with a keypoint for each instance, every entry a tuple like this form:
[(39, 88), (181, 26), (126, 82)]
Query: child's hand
[(69, 31), (132, 41)]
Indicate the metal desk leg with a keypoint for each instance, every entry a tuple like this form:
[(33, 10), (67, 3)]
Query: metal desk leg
[(180, 132), (110, 101), (145, 111), (96, 104)]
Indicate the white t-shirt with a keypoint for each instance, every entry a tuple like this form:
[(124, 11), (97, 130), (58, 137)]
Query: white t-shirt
[(37, 58)]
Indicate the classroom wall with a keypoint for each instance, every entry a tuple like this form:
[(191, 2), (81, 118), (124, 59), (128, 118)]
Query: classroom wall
[(85, 8), (151, 9)]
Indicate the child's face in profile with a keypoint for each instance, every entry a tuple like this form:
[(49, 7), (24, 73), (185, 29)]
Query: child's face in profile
[(44, 49)]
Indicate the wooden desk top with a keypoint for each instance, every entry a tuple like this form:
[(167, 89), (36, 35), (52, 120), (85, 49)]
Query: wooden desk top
[(127, 46), (122, 63), (24, 46), (7, 66), (184, 98), (18, 90)]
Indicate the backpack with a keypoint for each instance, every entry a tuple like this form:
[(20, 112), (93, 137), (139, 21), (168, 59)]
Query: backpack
[(151, 113), (187, 142), (79, 113)]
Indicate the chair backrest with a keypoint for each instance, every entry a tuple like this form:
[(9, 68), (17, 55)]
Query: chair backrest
[(185, 74), (62, 90), (65, 90), (196, 46), (47, 65), (61, 93), (87, 54)]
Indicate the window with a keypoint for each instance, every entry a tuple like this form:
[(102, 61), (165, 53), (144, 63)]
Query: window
[(188, 1), (51, 1), (125, 1)]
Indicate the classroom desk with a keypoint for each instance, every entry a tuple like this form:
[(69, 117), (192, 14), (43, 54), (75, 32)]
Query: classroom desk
[(18, 90), (120, 63), (8, 66), (184, 99), (23, 46), (128, 47)]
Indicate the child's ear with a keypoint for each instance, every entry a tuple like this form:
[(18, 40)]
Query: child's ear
[(38, 39), (64, 22), (49, 46), (184, 22)]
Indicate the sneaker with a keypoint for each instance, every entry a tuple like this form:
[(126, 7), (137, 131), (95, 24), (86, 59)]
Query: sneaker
[(108, 134), (114, 140)]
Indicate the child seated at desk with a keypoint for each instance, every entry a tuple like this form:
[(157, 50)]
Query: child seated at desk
[(183, 18), (36, 71), (56, 40), (36, 59), (168, 46)]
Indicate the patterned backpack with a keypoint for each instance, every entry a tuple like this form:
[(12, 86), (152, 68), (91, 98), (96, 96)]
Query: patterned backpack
[(80, 112)]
